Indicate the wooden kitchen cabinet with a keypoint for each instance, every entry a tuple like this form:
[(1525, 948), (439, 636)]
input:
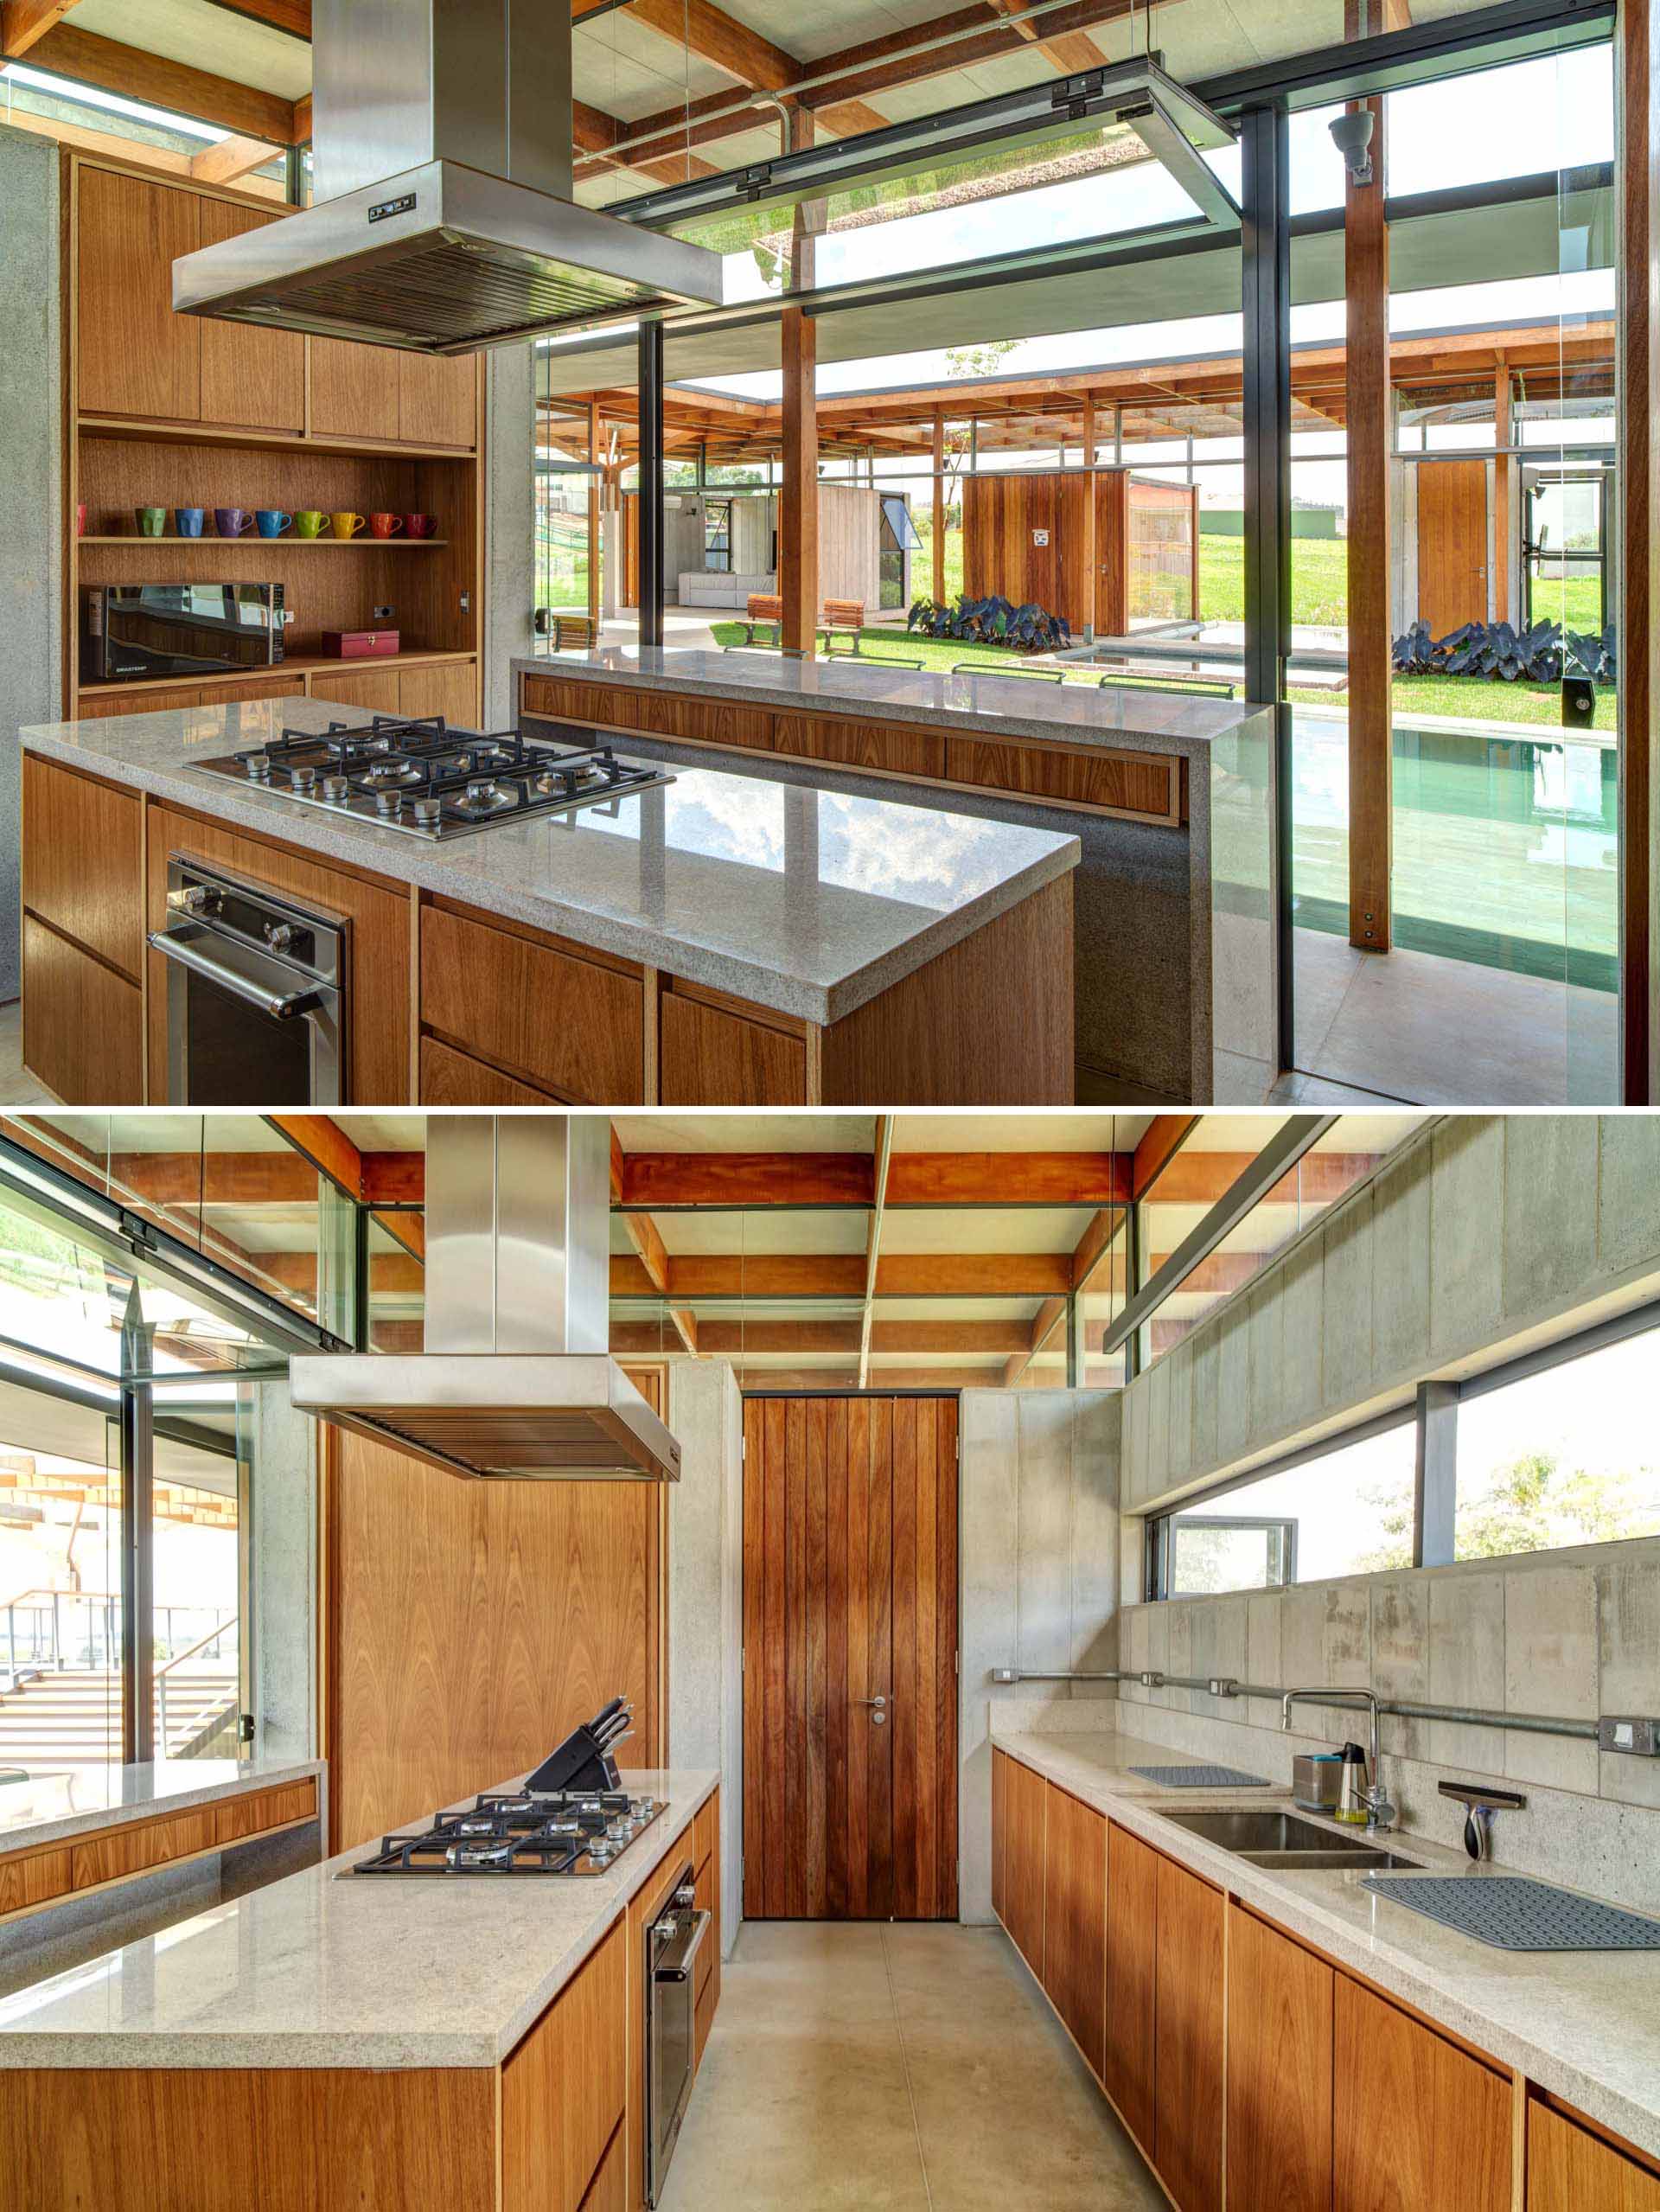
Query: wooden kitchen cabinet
[(71, 820), (609, 2190), (1189, 2093), (438, 399), (354, 390), (1074, 1919), (375, 690), (1002, 1767), (564, 2085), (251, 377), (1415, 2120), (1570, 2168), (83, 1024), (134, 357), (1026, 1805), (452, 1078), (1279, 2097), (237, 695), (1132, 1979), (551, 1015), (711, 1052), (449, 689)]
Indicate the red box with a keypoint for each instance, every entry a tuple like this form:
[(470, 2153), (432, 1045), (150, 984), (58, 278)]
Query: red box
[(359, 645)]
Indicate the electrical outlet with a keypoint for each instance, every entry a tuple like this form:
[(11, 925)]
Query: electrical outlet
[(386, 614), (466, 602), (1224, 1685), (1638, 1736)]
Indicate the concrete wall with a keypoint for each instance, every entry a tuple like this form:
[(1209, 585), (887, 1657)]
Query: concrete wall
[(282, 1553), (31, 486), (509, 577), (1487, 1233), (1038, 1539), (705, 1601)]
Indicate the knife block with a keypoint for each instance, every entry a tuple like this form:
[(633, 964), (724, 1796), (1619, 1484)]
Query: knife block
[(579, 1763)]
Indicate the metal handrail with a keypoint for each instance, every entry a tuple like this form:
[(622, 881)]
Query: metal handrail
[(167, 1667), (1228, 1686), (108, 1600)]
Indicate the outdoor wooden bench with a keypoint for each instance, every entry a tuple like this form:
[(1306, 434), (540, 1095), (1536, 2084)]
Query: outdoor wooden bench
[(841, 617), (763, 610), (575, 630)]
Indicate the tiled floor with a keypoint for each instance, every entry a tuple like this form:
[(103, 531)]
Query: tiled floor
[(1446, 1033), (894, 2068)]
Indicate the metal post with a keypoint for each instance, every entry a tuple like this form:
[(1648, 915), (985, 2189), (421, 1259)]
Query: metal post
[(1265, 275), (651, 483), (137, 1628), (1434, 1519)]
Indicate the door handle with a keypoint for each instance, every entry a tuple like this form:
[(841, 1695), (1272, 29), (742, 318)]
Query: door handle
[(868, 1701), (879, 1715)]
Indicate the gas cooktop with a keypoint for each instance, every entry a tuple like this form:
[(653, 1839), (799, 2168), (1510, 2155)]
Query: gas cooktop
[(430, 781), (559, 1832)]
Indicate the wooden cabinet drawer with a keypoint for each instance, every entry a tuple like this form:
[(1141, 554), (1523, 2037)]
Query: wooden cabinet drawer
[(709, 1056), (609, 2190), (33, 1878), (83, 1025), (118, 1852), (233, 694), (1571, 2170), (1142, 785), (705, 1830), (539, 1013), (83, 862), (452, 1078), (709, 1950), (164, 701), (891, 746), (373, 689), (449, 689), (563, 2088), (563, 699), (260, 1810), (708, 1998), (659, 715)]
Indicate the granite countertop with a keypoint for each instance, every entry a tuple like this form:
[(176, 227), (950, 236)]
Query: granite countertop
[(810, 902), (52, 1808), (1585, 2025), (316, 1972), (1123, 715)]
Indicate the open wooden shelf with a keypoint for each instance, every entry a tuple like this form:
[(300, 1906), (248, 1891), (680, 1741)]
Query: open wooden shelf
[(266, 441), (361, 544)]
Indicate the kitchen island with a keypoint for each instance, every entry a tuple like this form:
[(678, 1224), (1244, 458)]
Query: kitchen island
[(717, 940), (1171, 797), (330, 2042)]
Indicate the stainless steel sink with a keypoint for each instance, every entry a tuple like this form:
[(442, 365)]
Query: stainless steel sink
[(1268, 1837)]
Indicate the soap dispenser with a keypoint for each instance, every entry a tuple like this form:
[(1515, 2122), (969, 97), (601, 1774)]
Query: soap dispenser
[(1351, 1800)]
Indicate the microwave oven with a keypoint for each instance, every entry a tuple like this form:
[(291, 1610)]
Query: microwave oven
[(130, 632)]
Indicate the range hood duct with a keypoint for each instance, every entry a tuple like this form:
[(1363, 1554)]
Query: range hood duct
[(442, 219), (515, 1380)]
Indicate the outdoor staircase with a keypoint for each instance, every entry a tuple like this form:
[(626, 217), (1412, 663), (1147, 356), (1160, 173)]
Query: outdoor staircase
[(73, 1719)]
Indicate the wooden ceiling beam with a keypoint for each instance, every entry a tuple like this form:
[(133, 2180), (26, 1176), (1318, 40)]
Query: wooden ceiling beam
[(883, 1152), (293, 16), (232, 159), (131, 73), (1037, 1333), (776, 1276), (23, 23)]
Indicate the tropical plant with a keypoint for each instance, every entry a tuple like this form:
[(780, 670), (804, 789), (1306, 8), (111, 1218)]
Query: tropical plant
[(994, 621), (1495, 651)]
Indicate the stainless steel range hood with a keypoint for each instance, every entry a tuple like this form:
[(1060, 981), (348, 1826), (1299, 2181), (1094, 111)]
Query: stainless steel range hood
[(515, 1381), (443, 219)]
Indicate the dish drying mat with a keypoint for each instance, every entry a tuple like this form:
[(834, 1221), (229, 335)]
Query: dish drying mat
[(1200, 1777), (1515, 1913)]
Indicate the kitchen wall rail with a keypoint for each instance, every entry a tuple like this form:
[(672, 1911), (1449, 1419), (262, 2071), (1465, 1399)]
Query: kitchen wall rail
[(1228, 1686)]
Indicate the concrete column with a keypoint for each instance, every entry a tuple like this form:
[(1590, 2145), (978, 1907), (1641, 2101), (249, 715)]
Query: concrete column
[(509, 579), (282, 1557), (31, 484)]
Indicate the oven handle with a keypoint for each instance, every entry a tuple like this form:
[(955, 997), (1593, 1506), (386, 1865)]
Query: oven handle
[(678, 1959), (280, 1006)]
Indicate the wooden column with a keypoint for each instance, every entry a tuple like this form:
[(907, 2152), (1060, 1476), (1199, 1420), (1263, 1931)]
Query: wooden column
[(938, 586), (798, 518), (593, 514), (1366, 260), (1638, 377), (1090, 564), (1502, 471)]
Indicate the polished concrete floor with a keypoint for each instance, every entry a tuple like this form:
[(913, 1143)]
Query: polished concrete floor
[(16, 1088), (874, 2067)]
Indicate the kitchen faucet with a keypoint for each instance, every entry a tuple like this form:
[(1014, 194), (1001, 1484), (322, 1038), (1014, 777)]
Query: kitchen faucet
[(1380, 1813)]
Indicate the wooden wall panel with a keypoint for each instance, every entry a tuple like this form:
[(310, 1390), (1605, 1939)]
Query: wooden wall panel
[(1451, 543), (1003, 517), (472, 1624)]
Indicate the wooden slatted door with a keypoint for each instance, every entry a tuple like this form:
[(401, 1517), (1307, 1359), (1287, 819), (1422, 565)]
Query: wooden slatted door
[(849, 1595), (1451, 544)]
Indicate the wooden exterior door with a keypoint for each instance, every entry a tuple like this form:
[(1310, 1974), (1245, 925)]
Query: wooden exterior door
[(849, 1595), (1451, 544)]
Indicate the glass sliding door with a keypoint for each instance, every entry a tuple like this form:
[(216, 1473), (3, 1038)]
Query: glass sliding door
[(199, 1570)]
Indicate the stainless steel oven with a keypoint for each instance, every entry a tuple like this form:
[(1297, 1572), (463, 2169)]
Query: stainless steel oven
[(673, 1942), (256, 993)]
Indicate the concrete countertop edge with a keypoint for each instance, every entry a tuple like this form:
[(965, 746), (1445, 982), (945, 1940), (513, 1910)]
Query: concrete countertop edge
[(975, 721), (687, 957), (163, 2050), (66, 1827), (1300, 1915)]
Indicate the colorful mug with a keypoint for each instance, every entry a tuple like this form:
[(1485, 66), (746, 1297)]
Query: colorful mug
[(152, 521), (308, 522), (385, 525), (232, 521), (419, 525), (346, 524), (188, 521), (271, 521), (80, 518)]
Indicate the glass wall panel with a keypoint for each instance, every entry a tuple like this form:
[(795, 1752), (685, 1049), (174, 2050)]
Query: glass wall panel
[(199, 1493), (1346, 1512), (1534, 1474)]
